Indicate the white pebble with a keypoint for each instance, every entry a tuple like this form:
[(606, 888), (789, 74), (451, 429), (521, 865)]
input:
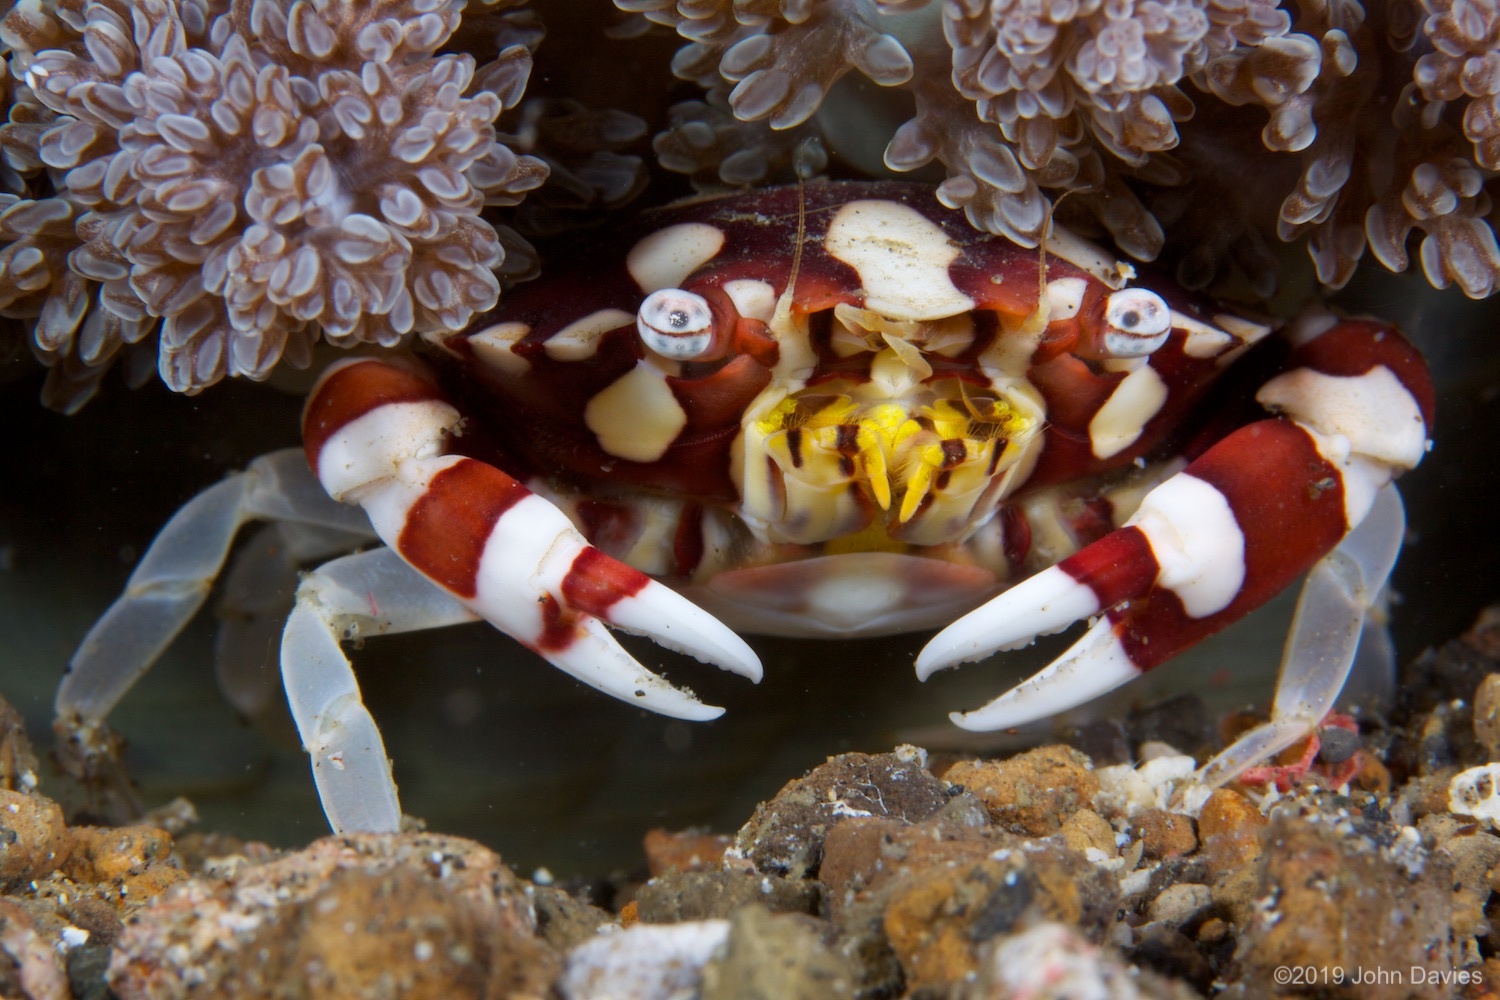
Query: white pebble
[(644, 962)]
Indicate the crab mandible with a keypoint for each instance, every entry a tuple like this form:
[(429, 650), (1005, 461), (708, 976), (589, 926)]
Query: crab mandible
[(829, 412)]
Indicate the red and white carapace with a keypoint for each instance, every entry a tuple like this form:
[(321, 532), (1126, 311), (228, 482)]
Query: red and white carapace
[(830, 412)]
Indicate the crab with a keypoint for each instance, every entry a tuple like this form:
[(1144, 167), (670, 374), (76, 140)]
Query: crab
[(826, 411)]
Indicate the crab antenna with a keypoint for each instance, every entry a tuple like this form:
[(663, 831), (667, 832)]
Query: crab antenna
[(784, 304), (1043, 307)]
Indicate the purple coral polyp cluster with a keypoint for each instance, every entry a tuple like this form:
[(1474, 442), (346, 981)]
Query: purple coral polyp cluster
[(246, 177), (207, 188), (1388, 115)]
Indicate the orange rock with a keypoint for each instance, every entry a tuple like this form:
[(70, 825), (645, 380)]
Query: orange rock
[(785, 836), (35, 964), (854, 855), (938, 917), (18, 766), (1033, 792), (1085, 829), (1372, 775), (1339, 898), (33, 837), (1229, 828), (135, 860), (940, 892), (359, 915), (685, 851), (1487, 714), (1164, 834), (928, 924), (1213, 929), (399, 933), (1484, 982)]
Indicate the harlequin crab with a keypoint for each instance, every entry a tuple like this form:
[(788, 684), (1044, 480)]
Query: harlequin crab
[(830, 411)]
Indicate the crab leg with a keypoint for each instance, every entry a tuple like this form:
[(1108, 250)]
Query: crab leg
[(1223, 536), (258, 594), (177, 571), (370, 593), (374, 433), (1326, 632)]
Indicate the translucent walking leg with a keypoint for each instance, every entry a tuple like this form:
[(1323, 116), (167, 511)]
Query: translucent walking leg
[(258, 593), (370, 593), (1339, 592), (177, 571)]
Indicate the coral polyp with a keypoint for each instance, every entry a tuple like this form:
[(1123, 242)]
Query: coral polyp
[(246, 179), (1128, 106), (211, 187)]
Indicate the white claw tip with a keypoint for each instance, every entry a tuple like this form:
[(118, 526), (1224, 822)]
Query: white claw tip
[(928, 665), (1094, 665)]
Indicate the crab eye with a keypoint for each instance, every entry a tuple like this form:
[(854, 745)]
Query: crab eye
[(676, 324), (1137, 323)]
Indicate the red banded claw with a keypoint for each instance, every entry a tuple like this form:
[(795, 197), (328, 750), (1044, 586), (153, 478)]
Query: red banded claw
[(374, 434), (671, 435)]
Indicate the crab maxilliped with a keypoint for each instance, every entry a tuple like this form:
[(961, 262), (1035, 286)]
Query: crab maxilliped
[(830, 411)]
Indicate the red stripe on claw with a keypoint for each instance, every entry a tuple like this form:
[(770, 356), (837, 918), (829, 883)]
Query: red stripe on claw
[(350, 391), (560, 627), (1287, 498), (1289, 503), (595, 582), (446, 529), (1116, 568)]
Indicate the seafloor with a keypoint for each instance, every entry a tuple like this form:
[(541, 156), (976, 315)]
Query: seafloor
[(1095, 867)]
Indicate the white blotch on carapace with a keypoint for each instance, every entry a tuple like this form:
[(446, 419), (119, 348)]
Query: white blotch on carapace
[(667, 256), (1247, 330), (580, 338), (1089, 257), (1202, 340), (1065, 297), (636, 417), (492, 346), (902, 259), (753, 299), (1119, 422)]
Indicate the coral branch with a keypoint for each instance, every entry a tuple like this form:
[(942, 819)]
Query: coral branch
[(252, 175)]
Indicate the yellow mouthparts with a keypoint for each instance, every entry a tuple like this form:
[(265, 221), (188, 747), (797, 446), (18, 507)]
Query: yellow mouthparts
[(934, 458)]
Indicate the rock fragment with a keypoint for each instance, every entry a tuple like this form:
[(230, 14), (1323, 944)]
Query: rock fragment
[(644, 962), (1033, 792), (772, 956), (785, 836), (359, 915), (33, 838), (1342, 898), (684, 851), (721, 892)]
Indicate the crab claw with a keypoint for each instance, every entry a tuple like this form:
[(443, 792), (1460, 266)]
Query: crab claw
[(1207, 546), (374, 433), (516, 560), (1184, 541), (1227, 533)]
